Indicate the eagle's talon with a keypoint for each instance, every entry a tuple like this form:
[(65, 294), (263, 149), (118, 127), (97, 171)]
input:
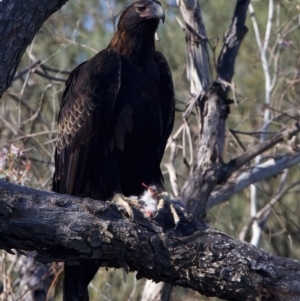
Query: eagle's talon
[(165, 198), (150, 203), (122, 203)]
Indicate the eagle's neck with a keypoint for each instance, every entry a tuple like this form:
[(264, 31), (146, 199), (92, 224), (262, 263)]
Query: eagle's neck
[(135, 44)]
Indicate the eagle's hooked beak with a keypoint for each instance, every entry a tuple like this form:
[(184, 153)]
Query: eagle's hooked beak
[(152, 11), (160, 13)]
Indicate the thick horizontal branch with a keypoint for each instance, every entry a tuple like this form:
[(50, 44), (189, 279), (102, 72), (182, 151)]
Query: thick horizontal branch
[(64, 228)]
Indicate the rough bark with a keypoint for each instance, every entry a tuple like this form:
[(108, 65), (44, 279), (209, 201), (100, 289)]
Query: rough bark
[(197, 55), (20, 20), (232, 42), (64, 228), (213, 108), (207, 170)]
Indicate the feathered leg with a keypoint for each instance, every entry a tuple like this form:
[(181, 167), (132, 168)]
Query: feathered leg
[(77, 279)]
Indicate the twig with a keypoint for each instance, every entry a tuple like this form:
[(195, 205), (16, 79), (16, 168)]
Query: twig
[(198, 67), (38, 110), (54, 281), (188, 133), (26, 69), (171, 169), (47, 68), (28, 136), (263, 213), (45, 75), (237, 140)]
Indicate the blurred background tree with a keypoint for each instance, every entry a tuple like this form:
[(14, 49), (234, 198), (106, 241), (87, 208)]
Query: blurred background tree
[(266, 94)]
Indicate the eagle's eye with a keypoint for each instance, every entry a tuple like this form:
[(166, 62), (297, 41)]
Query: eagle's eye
[(141, 8)]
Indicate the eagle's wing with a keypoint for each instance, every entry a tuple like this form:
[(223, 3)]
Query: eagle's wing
[(167, 98), (86, 111)]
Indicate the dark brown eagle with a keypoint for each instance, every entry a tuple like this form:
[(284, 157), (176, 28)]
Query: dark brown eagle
[(116, 115)]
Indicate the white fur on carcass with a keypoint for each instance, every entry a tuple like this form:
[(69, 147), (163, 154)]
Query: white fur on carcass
[(148, 203)]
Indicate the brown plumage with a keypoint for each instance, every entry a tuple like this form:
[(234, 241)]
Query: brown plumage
[(116, 115)]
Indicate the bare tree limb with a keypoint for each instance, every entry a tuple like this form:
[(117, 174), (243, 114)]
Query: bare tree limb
[(48, 68), (171, 168), (64, 228), (262, 215), (207, 170), (19, 26), (232, 42), (25, 70), (263, 47), (214, 109), (283, 135), (252, 175), (197, 56), (45, 75)]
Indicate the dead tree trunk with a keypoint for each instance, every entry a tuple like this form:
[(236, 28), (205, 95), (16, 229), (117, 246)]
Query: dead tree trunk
[(213, 109)]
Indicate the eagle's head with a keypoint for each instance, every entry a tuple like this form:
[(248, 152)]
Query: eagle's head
[(142, 12), (136, 27)]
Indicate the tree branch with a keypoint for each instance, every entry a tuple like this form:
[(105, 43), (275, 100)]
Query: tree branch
[(25, 70), (213, 110), (232, 42), (262, 215), (64, 228), (283, 135), (18, 27), (254, 174), (207, 170), (197, 55)]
